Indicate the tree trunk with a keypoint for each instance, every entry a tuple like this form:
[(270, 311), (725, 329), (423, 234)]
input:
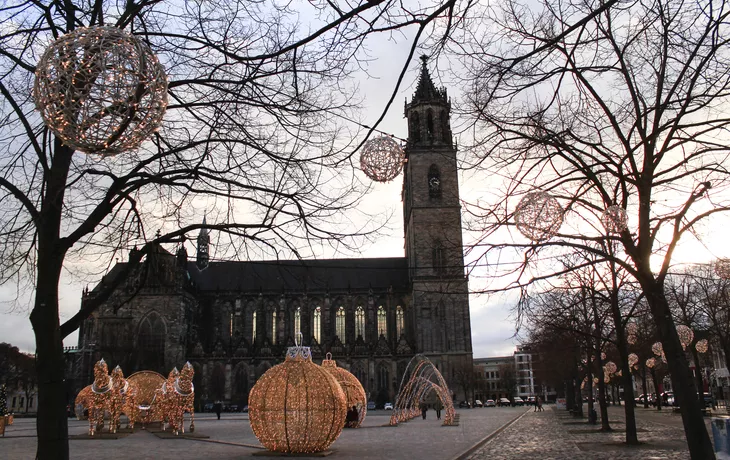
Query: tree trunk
[(698, 376), (685, 391), (657, 385), (643, 386), (52, 422), (623, 352)]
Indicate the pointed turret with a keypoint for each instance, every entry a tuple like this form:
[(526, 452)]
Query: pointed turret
[(425, 89), (203, 244), (428, 113)]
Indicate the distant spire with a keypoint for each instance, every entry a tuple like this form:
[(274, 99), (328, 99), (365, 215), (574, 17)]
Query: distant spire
[(425, 90)]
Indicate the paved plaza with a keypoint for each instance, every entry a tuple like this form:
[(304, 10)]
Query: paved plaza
[(482, 434)]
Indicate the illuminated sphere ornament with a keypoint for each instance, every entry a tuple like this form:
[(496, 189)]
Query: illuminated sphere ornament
[(615, 219), (351, 386), (632, 329), (595, 380), (538, 216), (631, 339), (381, 159), (100, 90), (651, 362), (701, 346), (610, 367), (633, 359), (722, 268), (297, 406), (657, 349), (685, 335)]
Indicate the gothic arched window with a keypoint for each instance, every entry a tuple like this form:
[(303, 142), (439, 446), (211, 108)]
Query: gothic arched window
[(151, 343), (414, 128), (340, 324), (317, 329), (383, 377), (439, 259), (273, 327), (297, 322), (445, 132), (360, 322), (434, 182), (429, 125), (382, 322), (253, 323), (400, 321)]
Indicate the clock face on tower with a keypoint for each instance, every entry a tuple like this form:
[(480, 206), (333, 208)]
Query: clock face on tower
[(434, 184)]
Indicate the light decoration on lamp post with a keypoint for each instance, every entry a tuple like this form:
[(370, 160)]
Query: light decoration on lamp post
[(685, 335), (297, 406), (538, 216), (382, 158), (722, 268), (615, 219), (701, 346), (100, 90), (351, 386)]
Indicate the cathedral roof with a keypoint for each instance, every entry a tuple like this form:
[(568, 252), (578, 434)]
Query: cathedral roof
[(302, 275)]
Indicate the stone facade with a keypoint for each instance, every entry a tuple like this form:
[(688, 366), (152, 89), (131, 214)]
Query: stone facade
[(234, 320)]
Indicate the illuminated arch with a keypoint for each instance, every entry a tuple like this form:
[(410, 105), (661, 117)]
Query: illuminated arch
[(423, 378)]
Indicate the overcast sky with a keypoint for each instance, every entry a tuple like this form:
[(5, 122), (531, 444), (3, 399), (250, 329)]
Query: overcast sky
[(496, 339)]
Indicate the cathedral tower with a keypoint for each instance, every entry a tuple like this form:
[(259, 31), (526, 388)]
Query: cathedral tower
[(432, 219)]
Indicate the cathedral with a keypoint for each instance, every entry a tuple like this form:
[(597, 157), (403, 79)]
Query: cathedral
[(234, 320)]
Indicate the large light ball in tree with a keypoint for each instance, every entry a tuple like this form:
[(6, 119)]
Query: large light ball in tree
[(297, 406), (539, 216), (381, 159), (701, 346), (351, 386), (610, 367), (100, 90), (657, 348), (633, 359), (685, 335), (722, 268), (615, 219)]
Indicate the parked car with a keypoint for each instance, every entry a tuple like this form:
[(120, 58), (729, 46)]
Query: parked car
[(388, 406), (464, 405), (371, 405), (478, 403), (490, 403), (518, 401), (504, 402), (208, 407), (245, 408), (233, 408), (531, 401)]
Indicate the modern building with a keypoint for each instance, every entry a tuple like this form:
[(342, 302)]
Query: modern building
[(233, 320)]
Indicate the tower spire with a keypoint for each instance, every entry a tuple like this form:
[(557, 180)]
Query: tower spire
[(203, 243), (425, 89)]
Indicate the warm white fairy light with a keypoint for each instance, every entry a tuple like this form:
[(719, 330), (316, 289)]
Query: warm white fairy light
[(701, 346), (351, 386), (615, 219), (100, 90), (538, 216), (147, 382), (685, 335), (382, 158), (297, 406)]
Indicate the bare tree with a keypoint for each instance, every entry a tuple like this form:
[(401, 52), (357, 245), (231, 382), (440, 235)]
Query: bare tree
[(257, 132), (620, 108)]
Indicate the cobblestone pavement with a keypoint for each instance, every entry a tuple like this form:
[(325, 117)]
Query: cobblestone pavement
[(231, 437), (553, 435)]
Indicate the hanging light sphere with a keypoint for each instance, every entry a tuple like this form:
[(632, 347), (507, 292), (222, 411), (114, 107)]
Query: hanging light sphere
[(615, 219), (538, 216), (610, 367), (100, 90), (606, 378), (657, 349), (701, 346), (633, 359), (631, 339), (381, 159), (603, 356), (351, 386), (595, 380), (651, 362), (632, 329), (685, 335), (722, 268), (297, 406)]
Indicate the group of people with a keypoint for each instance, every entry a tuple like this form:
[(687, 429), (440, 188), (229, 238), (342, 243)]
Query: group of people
[(437, 407), (538, 405), (352, 418)]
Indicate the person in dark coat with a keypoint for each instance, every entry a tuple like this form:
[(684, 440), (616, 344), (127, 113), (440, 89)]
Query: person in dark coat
[(424, 409), (218, 407), (438, 410)]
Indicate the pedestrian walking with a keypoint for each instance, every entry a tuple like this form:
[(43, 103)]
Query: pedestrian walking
[(424, 409), (218, 407), (539, 404), (438, 410)]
